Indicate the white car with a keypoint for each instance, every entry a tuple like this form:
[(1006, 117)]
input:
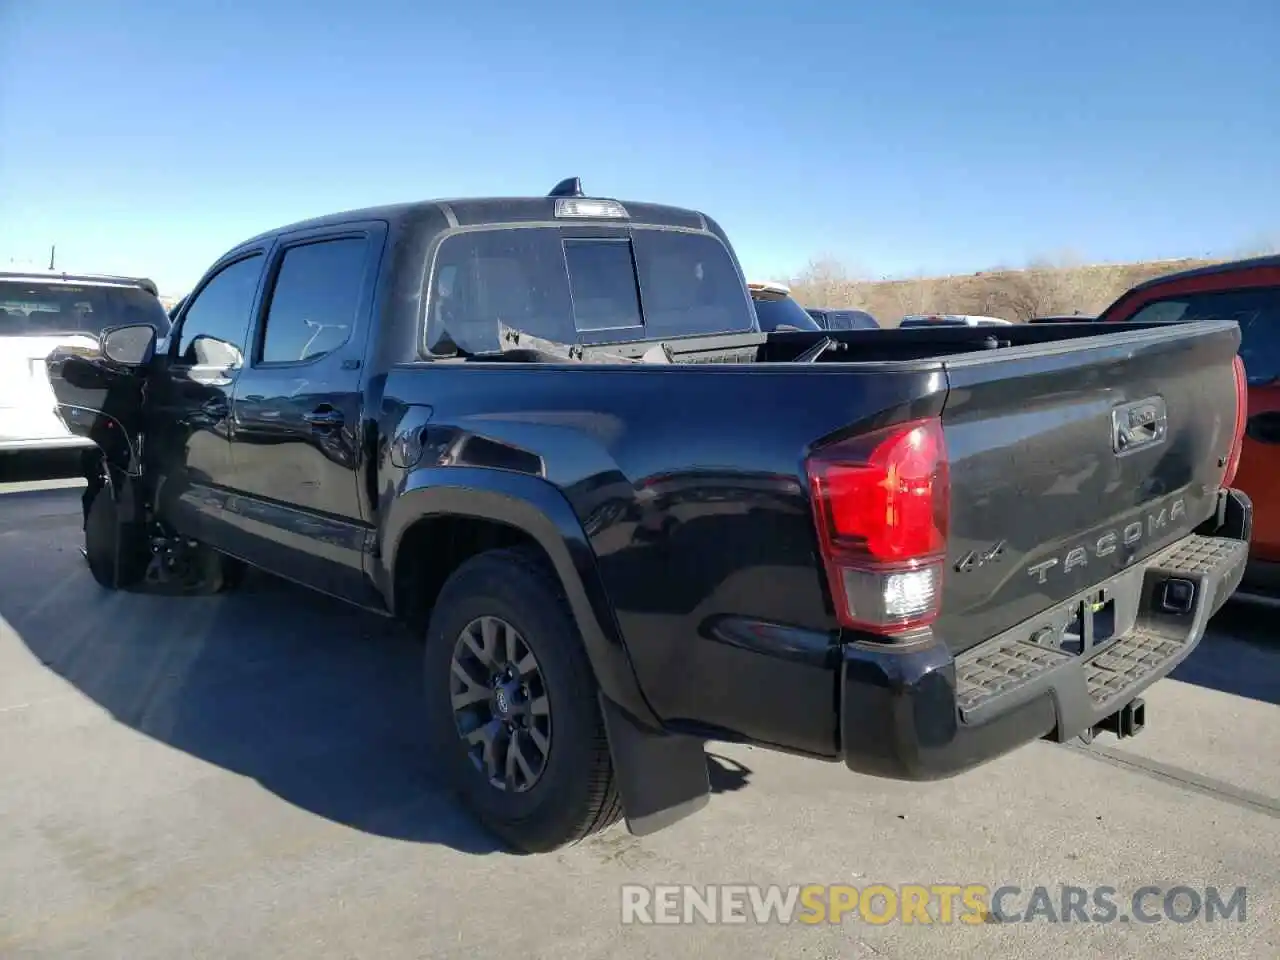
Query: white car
[(41, 311)]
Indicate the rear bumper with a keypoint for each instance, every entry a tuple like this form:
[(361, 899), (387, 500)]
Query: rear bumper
[(920, 713)]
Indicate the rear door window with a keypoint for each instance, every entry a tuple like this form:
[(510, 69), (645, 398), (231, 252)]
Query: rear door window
[(1256, 310), (643, 284)]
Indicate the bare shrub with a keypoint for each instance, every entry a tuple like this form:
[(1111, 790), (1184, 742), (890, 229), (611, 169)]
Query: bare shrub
[(1061, 286)]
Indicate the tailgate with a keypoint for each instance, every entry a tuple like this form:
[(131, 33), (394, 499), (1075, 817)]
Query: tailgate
[(1072, 460)]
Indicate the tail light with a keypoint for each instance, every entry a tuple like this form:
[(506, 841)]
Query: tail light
[(881, 502), (1242, 413)]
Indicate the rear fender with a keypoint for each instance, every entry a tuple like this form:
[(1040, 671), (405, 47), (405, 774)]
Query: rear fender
[(662, 776), (535, 507)]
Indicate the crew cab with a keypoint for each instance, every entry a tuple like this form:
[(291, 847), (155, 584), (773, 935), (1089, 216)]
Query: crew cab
[(548, 434), (1246, 292)]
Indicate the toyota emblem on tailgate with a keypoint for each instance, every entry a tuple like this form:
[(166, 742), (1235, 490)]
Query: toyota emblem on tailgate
[(1135, 426)]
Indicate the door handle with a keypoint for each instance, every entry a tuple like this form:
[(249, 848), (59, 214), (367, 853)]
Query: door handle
[(1264, 427), (215, 409), (324, 418)]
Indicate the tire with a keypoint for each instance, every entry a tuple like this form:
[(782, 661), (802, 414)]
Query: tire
[(575, 793), (108, 543)]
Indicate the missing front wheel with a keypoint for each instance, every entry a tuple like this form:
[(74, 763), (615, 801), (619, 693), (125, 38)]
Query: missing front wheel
[(184, 566)]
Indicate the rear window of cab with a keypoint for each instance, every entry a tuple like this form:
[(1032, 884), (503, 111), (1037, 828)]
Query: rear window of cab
[(639, 284)]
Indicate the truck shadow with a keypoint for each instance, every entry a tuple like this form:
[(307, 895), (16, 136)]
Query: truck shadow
[(318, 702), (726, 774)]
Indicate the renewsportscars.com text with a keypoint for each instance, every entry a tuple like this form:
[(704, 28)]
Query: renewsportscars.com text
[(968, 904)]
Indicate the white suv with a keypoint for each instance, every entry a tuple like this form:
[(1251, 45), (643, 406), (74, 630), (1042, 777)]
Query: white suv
[(43, 311)]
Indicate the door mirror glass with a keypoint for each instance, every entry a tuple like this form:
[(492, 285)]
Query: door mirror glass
[(131, 346)]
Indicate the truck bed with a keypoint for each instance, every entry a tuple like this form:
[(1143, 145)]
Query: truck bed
[(890, 345)]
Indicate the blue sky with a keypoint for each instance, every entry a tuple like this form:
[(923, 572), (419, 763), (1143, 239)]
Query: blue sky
[(900, 137)]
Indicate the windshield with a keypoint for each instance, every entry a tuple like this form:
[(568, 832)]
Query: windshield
[(784, 311), (35, 308), (1257, 311)]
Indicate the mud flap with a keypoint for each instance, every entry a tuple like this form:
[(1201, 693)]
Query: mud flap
[(662, 777)]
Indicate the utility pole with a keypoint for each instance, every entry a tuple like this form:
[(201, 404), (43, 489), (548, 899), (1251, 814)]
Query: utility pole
[(53, 249)]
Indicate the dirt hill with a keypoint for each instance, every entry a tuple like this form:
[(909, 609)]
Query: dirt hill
[(1011, 294)]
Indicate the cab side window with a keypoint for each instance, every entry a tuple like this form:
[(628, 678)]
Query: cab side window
[(217, 319), (315, 300)]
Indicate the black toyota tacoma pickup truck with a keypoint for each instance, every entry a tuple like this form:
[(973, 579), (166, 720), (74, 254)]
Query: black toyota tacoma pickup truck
[(548, 434)]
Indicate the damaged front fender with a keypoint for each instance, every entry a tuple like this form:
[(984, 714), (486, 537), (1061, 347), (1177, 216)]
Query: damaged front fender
[(103, 403)]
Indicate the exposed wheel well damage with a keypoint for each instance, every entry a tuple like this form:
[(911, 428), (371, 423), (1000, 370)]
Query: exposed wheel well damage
[(433, 547)]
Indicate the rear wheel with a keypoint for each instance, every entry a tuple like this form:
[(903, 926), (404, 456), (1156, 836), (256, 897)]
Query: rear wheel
[(513, 714)]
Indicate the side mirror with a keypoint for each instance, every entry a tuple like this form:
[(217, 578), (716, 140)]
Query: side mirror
[(130, 346)]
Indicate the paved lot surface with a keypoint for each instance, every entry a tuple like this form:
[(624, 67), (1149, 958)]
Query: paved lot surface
[(243, 777)]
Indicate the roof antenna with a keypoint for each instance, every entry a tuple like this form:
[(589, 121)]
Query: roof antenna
[(568, 187)]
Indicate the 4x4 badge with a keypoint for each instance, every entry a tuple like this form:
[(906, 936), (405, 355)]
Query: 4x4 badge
[(977, 558)]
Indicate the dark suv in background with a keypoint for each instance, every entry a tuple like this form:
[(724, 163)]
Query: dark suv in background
[(842, 319)]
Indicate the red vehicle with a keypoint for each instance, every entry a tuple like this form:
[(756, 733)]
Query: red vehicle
[(1247, 291)]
